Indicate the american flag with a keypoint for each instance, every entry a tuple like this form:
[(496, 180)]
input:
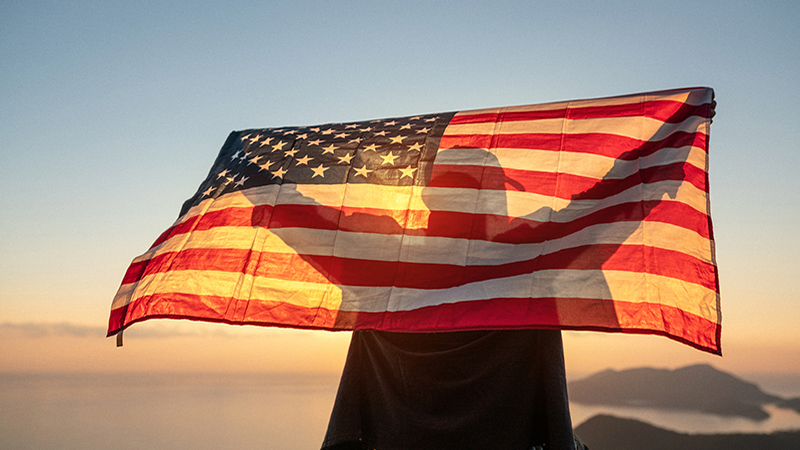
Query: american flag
[(582, 215)]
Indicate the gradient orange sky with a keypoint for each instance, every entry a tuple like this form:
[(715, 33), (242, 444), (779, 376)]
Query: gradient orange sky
[(112, 114)]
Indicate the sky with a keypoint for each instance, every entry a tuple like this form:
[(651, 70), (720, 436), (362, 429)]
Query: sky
[(111, 114)]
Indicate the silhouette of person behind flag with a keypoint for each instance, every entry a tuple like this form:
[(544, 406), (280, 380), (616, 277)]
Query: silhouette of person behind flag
[(556, 294), (473, 389)]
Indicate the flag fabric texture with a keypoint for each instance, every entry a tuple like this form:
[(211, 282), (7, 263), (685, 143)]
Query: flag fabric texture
[(579, 215)]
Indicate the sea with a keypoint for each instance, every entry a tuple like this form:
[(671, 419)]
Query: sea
[(237, 411)]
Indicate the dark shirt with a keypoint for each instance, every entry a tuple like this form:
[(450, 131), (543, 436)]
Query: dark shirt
[(485, 390)]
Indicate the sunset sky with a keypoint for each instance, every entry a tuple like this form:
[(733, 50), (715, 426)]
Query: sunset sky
[(111, 114)]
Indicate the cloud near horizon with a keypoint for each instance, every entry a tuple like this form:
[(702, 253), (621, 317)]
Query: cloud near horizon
[(147, 330), (43, 330)]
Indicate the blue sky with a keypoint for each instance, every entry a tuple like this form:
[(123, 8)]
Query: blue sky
[(111, 114)]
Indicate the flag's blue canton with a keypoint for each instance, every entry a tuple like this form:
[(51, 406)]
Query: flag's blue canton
[(395, 151)]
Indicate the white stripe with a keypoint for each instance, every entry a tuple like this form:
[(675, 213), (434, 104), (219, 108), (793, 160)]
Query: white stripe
[(591, 284), (535, 207), (693, 97), (581, 164), (621, 286), (489, 201), (439, 250), (637, 127), (519, 204)]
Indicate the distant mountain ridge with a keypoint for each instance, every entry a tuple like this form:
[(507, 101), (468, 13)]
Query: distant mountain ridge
[(604, 432), (699, 388)]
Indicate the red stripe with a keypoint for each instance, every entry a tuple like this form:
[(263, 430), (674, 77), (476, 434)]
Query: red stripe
[(630, 258), (183, 227), (365, 272), (570, 186), (502, 229), (470, 226), (441, 224), (501, 313), (610, 145), (225, 260), (209, 308), (668, 111), (551, 313), (497, 178), (231, 217)]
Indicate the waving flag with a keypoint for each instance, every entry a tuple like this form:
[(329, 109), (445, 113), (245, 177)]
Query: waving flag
[(581, 215)]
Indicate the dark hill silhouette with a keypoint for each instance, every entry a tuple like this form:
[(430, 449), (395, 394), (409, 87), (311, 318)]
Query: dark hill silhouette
[(694, 388), (603, 432)]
